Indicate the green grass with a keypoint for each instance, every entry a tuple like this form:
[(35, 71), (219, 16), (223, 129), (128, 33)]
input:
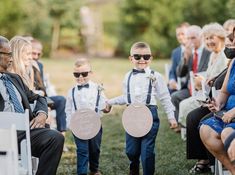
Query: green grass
[(171, 152)]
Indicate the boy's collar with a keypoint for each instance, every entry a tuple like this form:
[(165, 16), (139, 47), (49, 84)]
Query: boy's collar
[(78, 84)]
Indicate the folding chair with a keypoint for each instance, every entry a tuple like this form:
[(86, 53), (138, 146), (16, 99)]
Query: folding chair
[(167, 71), (8, 151), (219, 170), (21, 121)]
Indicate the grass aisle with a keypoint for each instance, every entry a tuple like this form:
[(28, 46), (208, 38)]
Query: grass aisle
[(171, 154)]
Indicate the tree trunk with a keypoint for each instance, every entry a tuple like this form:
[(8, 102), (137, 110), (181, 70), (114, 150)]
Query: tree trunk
[(55, 36)]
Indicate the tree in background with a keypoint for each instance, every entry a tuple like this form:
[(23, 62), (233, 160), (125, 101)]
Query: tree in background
[(11, 17), (154, 21), (57, 22)]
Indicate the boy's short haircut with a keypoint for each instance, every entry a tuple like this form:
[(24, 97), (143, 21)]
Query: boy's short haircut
[(81, 61), (139, 45)]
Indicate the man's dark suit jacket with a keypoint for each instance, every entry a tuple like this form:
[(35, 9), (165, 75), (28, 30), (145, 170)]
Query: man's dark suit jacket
[(184, 69), (175, 60), (27, 96)]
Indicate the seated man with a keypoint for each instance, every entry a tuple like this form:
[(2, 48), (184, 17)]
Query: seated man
[(59, 101), (46, 144)]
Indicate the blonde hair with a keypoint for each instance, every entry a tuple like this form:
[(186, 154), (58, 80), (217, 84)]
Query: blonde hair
[(213, 29), (81, 62), (18, 44), (139, 45), (229, 24)]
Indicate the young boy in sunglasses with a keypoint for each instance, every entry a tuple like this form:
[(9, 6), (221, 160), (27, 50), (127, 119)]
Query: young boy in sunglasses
[(137, 83), (86, 94)]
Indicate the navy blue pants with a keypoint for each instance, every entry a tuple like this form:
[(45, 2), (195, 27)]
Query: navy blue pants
[(88, 151), (59, 106), (143, 147)]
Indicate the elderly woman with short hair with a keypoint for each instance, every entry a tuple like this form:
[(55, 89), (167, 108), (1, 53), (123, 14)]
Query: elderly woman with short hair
[(214, 38), (218, 128)]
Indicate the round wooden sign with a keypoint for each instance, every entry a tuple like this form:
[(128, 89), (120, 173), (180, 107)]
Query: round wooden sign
[(85, 124), (137, 120)]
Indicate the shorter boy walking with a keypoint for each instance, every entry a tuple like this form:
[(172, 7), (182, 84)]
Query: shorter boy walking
[(145, 86), (86, 94)]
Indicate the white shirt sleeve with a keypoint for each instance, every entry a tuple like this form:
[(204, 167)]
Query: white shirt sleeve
[(68, 107), (120, 100), (102, 102), (164, 96)]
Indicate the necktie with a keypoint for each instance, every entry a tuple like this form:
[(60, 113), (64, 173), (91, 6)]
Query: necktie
[(195, 61), (83, 86), (136, 71), (10, 89)]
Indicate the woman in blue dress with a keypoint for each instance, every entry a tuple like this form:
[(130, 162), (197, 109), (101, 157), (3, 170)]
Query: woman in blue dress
[(215, 130)]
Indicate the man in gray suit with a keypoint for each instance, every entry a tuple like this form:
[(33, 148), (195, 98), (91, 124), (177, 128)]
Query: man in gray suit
[(196, 59), (15, 96)]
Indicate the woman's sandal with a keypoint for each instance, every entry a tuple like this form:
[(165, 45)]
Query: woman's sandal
[(200, 168)]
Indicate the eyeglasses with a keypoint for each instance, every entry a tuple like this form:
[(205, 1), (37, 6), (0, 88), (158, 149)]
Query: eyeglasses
[(77, 74), (138, 56), (7, 53)]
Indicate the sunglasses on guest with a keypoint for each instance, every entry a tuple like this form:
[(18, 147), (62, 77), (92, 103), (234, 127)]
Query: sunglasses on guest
[(139, 56), (78, 74)]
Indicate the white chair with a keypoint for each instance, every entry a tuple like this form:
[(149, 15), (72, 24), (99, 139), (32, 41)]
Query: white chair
[(8, 151), (167, 71), (219, 170), (21, 121)]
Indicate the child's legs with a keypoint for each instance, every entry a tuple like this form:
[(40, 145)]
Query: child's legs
[(82, 155), (94, 151), (148, 145), (133, 151)]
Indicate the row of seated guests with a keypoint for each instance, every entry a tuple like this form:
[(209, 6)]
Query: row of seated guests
[(26, 53), (16, 96), (214, 39)]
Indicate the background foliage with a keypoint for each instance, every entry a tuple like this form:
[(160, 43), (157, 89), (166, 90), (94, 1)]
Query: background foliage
[(124, 21)]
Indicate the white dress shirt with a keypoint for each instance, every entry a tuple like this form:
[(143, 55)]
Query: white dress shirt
[(84, 98), (139, 85)]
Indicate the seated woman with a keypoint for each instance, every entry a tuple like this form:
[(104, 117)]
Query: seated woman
[(216, 129), (195, 149), (214, 39)]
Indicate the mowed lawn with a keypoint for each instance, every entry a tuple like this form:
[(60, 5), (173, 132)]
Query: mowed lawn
[(171, 152)]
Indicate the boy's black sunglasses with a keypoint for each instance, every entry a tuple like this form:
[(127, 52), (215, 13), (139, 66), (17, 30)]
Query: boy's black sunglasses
[(139, 56), (77, 74)]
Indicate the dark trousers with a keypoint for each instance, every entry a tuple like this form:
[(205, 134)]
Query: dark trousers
[(88, 151), (143, 147), (59, 106), (47, 145), (195, 147), (177, 97)]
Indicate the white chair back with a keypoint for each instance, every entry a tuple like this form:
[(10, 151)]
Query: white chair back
[(167, 71), (21, 121), (8, 151)]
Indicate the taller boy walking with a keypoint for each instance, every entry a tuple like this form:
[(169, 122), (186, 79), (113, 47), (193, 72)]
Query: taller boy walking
[(136, 86)]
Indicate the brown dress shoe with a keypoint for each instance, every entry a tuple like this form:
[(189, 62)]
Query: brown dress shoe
[(95, 173)]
